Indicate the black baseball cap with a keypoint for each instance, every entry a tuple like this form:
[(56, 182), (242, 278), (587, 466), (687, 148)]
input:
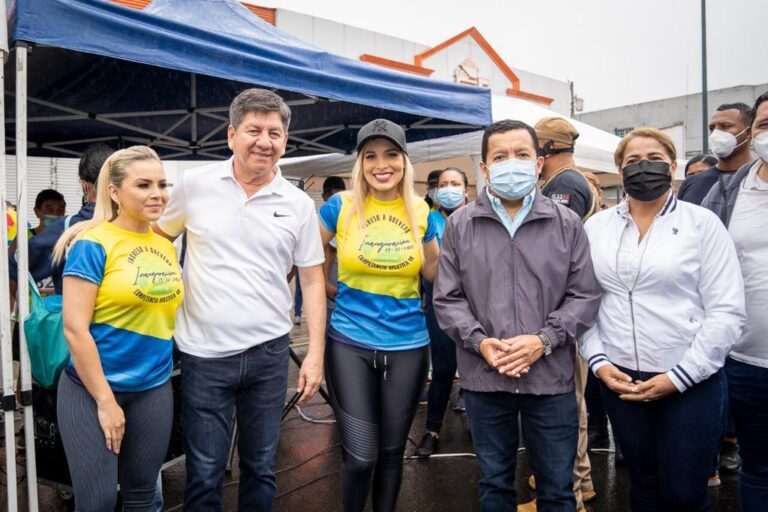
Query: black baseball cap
[(382, 128)]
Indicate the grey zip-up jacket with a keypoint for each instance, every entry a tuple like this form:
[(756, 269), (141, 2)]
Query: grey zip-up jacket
[(722, 198), (489, 285)]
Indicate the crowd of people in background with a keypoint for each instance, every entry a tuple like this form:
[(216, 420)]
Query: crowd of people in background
[(550, 307)]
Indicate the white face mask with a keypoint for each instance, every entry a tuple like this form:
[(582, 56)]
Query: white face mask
[(760, 145), (723, 144), (432, 193)]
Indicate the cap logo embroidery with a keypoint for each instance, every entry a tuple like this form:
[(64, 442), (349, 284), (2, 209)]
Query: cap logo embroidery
[(379, 126)]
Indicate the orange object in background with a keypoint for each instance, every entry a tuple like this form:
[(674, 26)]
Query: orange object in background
[(10, 219)]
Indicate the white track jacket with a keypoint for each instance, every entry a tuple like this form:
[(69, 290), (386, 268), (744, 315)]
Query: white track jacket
[(674, 303)]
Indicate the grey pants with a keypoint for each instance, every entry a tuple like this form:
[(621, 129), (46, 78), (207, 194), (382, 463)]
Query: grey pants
[(95, 470)]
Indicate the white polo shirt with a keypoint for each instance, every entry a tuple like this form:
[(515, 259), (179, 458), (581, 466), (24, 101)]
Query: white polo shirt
[(239, 251), (747, 227)]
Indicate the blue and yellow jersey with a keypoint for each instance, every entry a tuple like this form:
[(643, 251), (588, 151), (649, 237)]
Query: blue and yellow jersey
[(378, 305), (140, 289)]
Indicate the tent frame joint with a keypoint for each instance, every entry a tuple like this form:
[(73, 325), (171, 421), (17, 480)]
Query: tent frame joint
[(9, 403), (26, 398)]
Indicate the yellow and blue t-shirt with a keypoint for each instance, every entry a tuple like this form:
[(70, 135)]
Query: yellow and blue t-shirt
[(378, 305), (140, 289)]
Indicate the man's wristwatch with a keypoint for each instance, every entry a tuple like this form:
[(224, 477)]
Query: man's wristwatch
[(546, 342)]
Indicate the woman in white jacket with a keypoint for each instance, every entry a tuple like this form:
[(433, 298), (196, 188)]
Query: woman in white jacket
[(672, 307)]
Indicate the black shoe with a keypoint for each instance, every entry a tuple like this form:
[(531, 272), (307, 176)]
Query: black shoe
[(428, 445), (597, 433), (458, 405), (730, 462)]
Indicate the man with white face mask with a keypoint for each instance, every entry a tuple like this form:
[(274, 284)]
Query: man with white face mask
[(515, 288), (431, 197), (729, 137), (741, 204)]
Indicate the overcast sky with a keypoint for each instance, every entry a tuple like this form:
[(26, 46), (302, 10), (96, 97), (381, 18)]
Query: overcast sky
[(617, 52)]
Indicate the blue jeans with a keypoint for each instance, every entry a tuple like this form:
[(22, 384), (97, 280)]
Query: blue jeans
[(669, 444), (747, 392), (442, 350), (551, 429), (254, 383)]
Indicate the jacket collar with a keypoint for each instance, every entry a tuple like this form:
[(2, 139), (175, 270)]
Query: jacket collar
[(542, 207), (669, 206), (739, 176)]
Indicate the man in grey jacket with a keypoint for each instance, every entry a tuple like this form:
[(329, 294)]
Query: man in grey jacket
[(741, 202), (515, 288)]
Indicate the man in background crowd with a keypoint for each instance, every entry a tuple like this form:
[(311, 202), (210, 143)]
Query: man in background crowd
[(699, 163), (729, 137)]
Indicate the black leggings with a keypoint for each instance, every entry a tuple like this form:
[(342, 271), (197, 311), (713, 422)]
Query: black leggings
[(95, 470), (442, 351), (375, 395)]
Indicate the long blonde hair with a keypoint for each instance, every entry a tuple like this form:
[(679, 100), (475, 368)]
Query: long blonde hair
[(111, 173), (361, 190)]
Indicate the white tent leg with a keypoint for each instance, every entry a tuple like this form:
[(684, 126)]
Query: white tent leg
[(479, 178), (22, 294), (9, 396)]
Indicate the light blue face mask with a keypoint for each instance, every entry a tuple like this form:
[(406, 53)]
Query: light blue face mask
[(513, 179), (450, 197), (50, 219)]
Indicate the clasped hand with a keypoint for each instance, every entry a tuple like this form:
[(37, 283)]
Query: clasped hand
[(512, 357), (638, 391)]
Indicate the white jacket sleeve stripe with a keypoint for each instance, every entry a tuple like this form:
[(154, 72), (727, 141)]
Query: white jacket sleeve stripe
[(722, 294)]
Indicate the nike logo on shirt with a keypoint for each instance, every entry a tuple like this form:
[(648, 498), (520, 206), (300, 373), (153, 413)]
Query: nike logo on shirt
[(281, 215)]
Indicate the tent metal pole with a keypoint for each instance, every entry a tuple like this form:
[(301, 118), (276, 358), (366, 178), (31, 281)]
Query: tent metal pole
[(100, 118), (22, 294), (82, 141), (177, 155), (423, 121), (212, 156), (211, 116), (213, 132), (315, 145), (178, 123), (68, 152), (479, 177), (9, 395), (193, 106)]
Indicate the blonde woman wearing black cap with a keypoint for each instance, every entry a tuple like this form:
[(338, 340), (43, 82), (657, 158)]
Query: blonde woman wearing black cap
[(376, 355)]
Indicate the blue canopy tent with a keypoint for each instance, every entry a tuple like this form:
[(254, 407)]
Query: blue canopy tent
[(165, 76), (91, 70)]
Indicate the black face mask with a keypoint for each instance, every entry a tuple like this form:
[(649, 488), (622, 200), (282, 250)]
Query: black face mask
[(646, 180)]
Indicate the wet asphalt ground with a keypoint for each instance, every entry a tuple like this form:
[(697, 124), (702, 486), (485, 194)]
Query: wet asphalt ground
[(309, 458)]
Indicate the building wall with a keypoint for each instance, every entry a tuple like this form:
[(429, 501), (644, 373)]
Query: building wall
[(559, 90), (679, 116), (344, 39), (447, 61), (353, 42)]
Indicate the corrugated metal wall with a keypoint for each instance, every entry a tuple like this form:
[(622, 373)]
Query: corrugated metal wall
[(56, 173)]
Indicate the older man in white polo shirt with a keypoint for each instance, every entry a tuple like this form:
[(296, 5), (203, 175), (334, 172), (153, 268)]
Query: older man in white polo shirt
[(246, 228)]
